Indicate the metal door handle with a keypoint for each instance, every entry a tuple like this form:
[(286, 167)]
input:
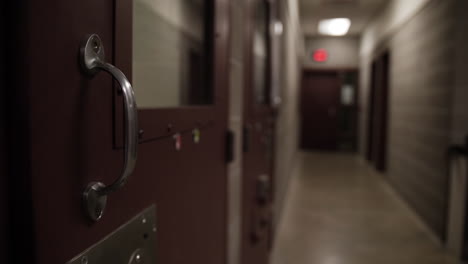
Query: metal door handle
[(93, 61)]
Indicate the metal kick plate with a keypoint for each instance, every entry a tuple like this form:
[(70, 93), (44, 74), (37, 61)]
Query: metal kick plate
[(132, 243)]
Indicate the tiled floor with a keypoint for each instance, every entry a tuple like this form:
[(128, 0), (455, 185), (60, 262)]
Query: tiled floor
[(339, 211)]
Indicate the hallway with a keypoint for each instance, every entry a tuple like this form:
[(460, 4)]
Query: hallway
[(339, 211), (175, 131)]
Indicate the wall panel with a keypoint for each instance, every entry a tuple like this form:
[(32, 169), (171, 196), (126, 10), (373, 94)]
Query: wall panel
[(422, 52)]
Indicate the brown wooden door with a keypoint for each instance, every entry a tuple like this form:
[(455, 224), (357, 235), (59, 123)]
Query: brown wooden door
[(259, 127), (320, 105), (69, 128)]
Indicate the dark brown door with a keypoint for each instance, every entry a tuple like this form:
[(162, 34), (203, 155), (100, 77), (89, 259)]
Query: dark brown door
[(320, 105), (371, 113), (378, 113), (70, 127), (259, 125)]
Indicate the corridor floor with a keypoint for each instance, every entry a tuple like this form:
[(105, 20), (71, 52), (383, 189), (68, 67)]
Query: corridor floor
[(339, 211)]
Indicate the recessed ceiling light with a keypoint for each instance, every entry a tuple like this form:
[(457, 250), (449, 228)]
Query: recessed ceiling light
[(278, 27), (334, 26)]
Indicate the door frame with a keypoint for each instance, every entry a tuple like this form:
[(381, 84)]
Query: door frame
[(15, 138), (3, 149)]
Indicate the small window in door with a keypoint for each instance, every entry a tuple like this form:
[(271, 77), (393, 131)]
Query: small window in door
[(172, 53)]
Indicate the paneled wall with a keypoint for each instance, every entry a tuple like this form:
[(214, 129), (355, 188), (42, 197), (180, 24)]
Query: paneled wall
[(460, 95), (420, 102), (288, 114), (396, 15), (343, 52)]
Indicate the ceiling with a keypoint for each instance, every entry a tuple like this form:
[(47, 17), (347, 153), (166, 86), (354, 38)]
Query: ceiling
[(359, 11)]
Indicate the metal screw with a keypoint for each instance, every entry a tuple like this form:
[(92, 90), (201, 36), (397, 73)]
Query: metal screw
[(84, 260), (155, 229), (143, 220), (138, 258), (96, 46), (140, 133)]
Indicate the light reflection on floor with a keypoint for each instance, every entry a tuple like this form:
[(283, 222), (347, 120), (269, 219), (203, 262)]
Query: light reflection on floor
[(339, 211)]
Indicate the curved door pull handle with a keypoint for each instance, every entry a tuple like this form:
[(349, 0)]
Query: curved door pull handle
[(93, 61)]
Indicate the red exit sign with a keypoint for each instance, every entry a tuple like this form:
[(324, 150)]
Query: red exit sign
[(320, 55)]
